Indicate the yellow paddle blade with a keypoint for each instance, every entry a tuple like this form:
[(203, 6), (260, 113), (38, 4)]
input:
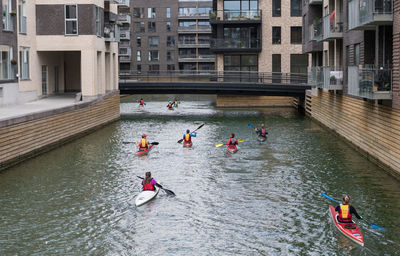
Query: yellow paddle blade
[(241, 140), (218, 145)]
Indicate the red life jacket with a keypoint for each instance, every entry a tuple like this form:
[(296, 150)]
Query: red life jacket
[(188, 138), (232, 142), (148, 186), (263, 132), (344, 213), (142, 102)]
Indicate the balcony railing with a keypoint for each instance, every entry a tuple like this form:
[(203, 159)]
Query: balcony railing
[(125, 35), (194, 29), (194, 58), (125, 58), (375, 84), (318, 30), (124, 3), (235, 44), (366, 14), (332, 28), (112, 33), (316, 1), (253, 16), (124, 51), (124, 18)]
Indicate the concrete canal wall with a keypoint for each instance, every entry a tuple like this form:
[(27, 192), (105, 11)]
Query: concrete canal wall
[(253, 101), (372, 129), (28, 135)]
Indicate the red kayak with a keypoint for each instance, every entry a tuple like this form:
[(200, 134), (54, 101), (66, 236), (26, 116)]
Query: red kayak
[(233, 149), (349, 230), (187, 144), (143, 152)]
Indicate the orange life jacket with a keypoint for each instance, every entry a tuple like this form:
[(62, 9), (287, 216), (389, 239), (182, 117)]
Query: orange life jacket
[(187, 137), (143, 143), (344, 213)]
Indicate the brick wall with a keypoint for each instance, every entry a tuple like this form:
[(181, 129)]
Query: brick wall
[(396, 55), (27, 136)]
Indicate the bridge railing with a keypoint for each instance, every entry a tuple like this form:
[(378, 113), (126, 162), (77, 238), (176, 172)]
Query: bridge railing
[(203, 76)]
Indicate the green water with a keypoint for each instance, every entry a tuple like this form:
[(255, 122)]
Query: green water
[(263, 200)]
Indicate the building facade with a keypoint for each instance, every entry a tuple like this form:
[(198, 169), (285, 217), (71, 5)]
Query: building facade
[(259, 36), (55, 47), (167, 35)]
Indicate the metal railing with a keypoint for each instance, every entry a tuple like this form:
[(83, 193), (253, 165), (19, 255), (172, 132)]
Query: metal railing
[(370, 83), (125, 18), (251, 15), (112, 33), (124, 2), (365, 11), (216, 76), (332, 26), (233, 43), (318, 30), (125, 35)]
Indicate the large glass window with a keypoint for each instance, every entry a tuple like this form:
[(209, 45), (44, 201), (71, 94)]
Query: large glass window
[(138, 41), (168, 15), (204, 25), (5, 62), (151, 26), (298, 63), (168, 26), (170, 41), (151, 13), (276, 35), (154, 41), (71, 20), (154, 55), (138, 55), (295, 35), (170, 55), (154, 68), (22, 17), (6, 15), (98, 21), (204, 11), (276, 8), (171, 67), (295, 8), (240, 8), (357, 54), (187, 66), (187, 11), (205, 53), (187, 53), (139, 27), (240, 63), (204, 39), (24, 63), (138, 13), (276, 63), (187, 39), (187, 25)]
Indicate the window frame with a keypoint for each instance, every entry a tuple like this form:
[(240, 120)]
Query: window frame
[(69, 19), (24, 67), (273, 35), (10, 69), (98, 21), (291, 35)]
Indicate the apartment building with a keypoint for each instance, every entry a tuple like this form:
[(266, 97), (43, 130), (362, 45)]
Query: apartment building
[(350, 44), (56, 46), (165, 35), (262, 36)]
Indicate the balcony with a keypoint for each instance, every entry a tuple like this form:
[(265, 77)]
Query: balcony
[(315, 2), (332, 27), (318, 30), (192, 44), (369, 83), (125, 51), (193, 29), (125, 35), (111, 33), (235, 45), (195, 15), (194, 58), (235, 17), (367, 14), (125, 18), (125, 59)]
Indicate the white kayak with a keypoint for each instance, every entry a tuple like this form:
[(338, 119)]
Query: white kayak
[(146, 196)]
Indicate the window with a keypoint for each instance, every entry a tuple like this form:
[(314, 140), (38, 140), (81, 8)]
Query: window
[(138, 41), (139, 27), (204, 25), (22, 17), (168, 12), (206, 66), (24, 63), (204, 11), (168, 26), (138, 55), (187, 53), (154, 68), (357, 54), (276, 68), (187, 66), (240, 63), (187, 11), (7, 18), (139, 68), (295, 35), (44, 80), (276, 35), (154, 41), (138, 13), (154, 56), (170, 67), (152, 26), (170, 41), (187, 39), (298, 63), (98, 21), (6, 71), (205, 53), (187, 25), (71, 20), (170, 55), (204, 39), (295, 8), (151, 13), (276, 8)]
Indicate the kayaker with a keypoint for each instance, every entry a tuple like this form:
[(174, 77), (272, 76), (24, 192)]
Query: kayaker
[(141, 102), (143, 144), (345, 211), (261, 131), (175, 103), (188, 136), (232, 142), (170, 105), (149, 183)]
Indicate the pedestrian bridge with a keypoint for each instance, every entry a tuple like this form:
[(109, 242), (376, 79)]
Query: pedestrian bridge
[(218, 83)]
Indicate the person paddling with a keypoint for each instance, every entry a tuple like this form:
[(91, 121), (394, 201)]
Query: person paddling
[(188, 136), (346, 211), (175, 103), (170, 105), (149, 183), (261, 131), (141, 102), (143, 144), (232, 142)]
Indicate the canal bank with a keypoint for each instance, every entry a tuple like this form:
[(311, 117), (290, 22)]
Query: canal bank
[(372, 129), (30, 129)]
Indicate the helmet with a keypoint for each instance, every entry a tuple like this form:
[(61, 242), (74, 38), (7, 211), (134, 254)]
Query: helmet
[(187, 131), (144, 135)]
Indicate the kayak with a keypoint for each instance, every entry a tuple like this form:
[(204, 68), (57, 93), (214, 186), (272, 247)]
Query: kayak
[(261, 138), (170, 108), (349, 230), (187, 144), (143, 152), (146, 196), (232, 149)]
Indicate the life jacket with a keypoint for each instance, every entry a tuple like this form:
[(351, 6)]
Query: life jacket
[(170, 105), (188, 138), (143, 143), (232, 142), (344, 213), (176, 103), (263, 132), (142, 102), (148, 186)]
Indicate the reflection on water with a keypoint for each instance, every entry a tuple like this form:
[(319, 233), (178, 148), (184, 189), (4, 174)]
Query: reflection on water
[(263, 200)]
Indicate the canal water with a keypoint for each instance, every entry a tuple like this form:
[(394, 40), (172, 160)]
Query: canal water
[(263, 200)]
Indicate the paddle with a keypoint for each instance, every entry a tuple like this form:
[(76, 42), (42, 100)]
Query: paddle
[(251, 126), (372, 225), (179, 141), (169, 192), (127, 142), (219, 145)]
